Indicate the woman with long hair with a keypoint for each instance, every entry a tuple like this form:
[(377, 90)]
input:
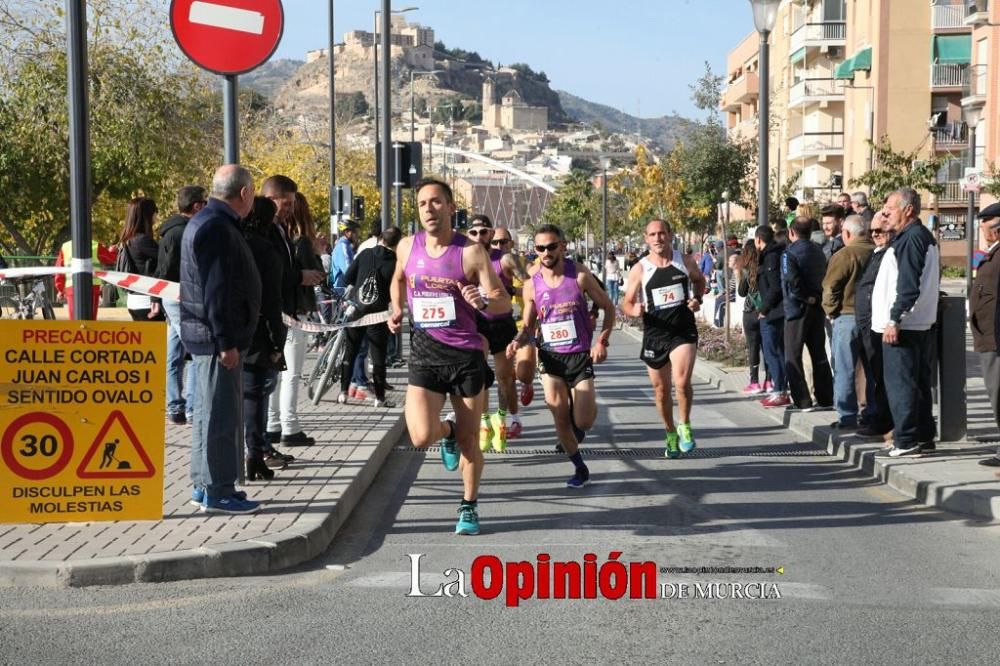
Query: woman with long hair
[(137, 252), (747, 265), (305, 240)]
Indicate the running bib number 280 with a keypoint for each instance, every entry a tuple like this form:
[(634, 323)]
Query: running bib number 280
[(559, 333), (434, 312)]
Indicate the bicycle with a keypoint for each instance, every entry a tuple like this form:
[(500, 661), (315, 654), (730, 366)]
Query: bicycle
[(14, 305), (327, 370)]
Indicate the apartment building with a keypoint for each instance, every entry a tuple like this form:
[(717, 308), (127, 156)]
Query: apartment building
[(846, 71)]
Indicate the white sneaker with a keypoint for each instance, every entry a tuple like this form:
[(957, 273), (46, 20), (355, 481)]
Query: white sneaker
[(342, 398), (387, 403)]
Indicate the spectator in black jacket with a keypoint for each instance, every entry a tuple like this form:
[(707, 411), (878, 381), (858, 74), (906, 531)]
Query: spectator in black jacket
[(370, 275), (220, 305), (803, 267), (771, 314), (282, 417), (876, 419), (264, 358), (182, 391), (833, 218), (137, 252)]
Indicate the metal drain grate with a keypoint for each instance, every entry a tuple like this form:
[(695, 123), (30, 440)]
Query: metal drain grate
[(650, 452)]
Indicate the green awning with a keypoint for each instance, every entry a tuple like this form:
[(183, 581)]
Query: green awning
[(844, 70), (952, 49), (862, 60), (799, 55)]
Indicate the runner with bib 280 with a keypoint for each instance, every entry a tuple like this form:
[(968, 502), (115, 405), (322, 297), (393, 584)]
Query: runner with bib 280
[(555, 297), (440, 274), (665, 288)]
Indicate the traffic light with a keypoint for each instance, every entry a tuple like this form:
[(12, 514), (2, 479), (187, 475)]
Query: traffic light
[(411, 163), (460, 220), (358, 210), (341, 200)]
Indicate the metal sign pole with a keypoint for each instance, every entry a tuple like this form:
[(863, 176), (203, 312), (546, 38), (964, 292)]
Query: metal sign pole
[(397, 183), (231, 123), (79, 160), (386, 213)]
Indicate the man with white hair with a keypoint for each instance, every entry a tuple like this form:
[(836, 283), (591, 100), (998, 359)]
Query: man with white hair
[(220, 304), (859, 201), (839, 287), (904, 311)]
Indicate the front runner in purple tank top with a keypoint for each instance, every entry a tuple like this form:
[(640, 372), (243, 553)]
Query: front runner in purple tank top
[(555, 297), (498, 330), (440, 273)]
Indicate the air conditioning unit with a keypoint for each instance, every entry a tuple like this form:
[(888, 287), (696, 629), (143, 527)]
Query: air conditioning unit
[(834, 52)]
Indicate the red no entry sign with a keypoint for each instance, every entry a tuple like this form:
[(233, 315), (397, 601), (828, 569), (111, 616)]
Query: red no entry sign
[(227, 36)]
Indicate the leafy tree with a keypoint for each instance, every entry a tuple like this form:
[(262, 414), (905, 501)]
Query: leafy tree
[(575, 205), (991, 183), (895, 169)]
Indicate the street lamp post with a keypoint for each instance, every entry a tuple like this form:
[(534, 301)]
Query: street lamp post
[(605, 164), (972, 116), (765, 13), (333, 131), (725, 266)]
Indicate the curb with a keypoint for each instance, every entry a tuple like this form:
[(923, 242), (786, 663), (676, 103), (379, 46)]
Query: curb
[(308, 539), (954, 496)]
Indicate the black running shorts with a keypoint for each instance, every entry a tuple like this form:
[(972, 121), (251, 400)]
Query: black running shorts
[(657, 347), (498, 332), (573, 368)]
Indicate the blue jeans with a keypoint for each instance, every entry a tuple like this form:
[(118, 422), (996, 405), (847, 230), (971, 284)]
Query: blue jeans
[(908, 379), (217, 434), (258, 385), (176, 380), (612, 285), (846, 347), (772, 338)]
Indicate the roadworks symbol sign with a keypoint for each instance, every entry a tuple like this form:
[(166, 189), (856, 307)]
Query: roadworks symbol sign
[(116, 453)]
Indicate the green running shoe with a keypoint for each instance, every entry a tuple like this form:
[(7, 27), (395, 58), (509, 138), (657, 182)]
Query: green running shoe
[(468, 521), (449, 448), (672, 450), (686, 440)]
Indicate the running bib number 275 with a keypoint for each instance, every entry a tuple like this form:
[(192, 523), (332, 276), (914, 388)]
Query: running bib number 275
[(434, 312)]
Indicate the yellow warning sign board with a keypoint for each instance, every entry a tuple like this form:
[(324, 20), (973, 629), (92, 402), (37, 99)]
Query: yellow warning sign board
[(81, 420)]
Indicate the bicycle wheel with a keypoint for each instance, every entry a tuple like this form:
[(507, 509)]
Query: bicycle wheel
[(331, 373), (8, 308), (318, 369), (48, 312)]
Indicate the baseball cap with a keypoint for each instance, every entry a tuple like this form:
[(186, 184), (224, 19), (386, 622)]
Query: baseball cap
[(991, 211), (480, 221)]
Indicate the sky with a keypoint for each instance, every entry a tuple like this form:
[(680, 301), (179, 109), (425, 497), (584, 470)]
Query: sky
[(638, 56)]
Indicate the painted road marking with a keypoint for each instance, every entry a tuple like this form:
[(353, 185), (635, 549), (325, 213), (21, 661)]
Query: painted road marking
[(228, 18)]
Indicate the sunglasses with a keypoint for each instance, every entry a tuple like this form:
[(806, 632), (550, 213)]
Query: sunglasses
[(879, 232), (478, 232), (500, 241), (551, 247)]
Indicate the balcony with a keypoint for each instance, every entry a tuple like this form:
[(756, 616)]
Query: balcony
[(952, 194), (950, 136), (810, 91), (741, 91), (949, 76), (947, 16), (977, 12), (831, 33), (816, 144), (974, 92)]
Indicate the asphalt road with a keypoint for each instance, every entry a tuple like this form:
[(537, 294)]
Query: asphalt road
[(868, 576)]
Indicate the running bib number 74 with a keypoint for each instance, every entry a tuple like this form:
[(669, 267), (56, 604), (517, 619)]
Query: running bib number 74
[(434, 312), (668, 297)]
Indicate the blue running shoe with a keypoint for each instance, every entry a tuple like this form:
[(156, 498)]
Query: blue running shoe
[(580, 478), (198, 496), (450, 454), (468, 521), (232, 505), (684, 438), (673, 450)]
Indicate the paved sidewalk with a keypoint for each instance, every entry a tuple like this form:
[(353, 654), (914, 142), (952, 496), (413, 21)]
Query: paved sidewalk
[(304, 506), (950, 479)]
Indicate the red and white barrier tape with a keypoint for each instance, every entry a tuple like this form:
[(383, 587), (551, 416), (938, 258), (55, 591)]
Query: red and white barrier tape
[(140, 284), (316, 327)]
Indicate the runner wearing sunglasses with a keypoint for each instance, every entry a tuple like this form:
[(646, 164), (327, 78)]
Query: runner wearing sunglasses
[(665, 288), (555, 299), (498, 330), (439, 273)]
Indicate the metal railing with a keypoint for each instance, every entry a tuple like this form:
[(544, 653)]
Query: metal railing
[(816, 88), (949, 76), (977, 82), (813, 142), (953, 193), (828, 31), (951, 134), (948, 16)]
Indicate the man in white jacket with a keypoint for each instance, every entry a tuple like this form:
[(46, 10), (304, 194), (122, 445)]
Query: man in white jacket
[(904, 311)]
